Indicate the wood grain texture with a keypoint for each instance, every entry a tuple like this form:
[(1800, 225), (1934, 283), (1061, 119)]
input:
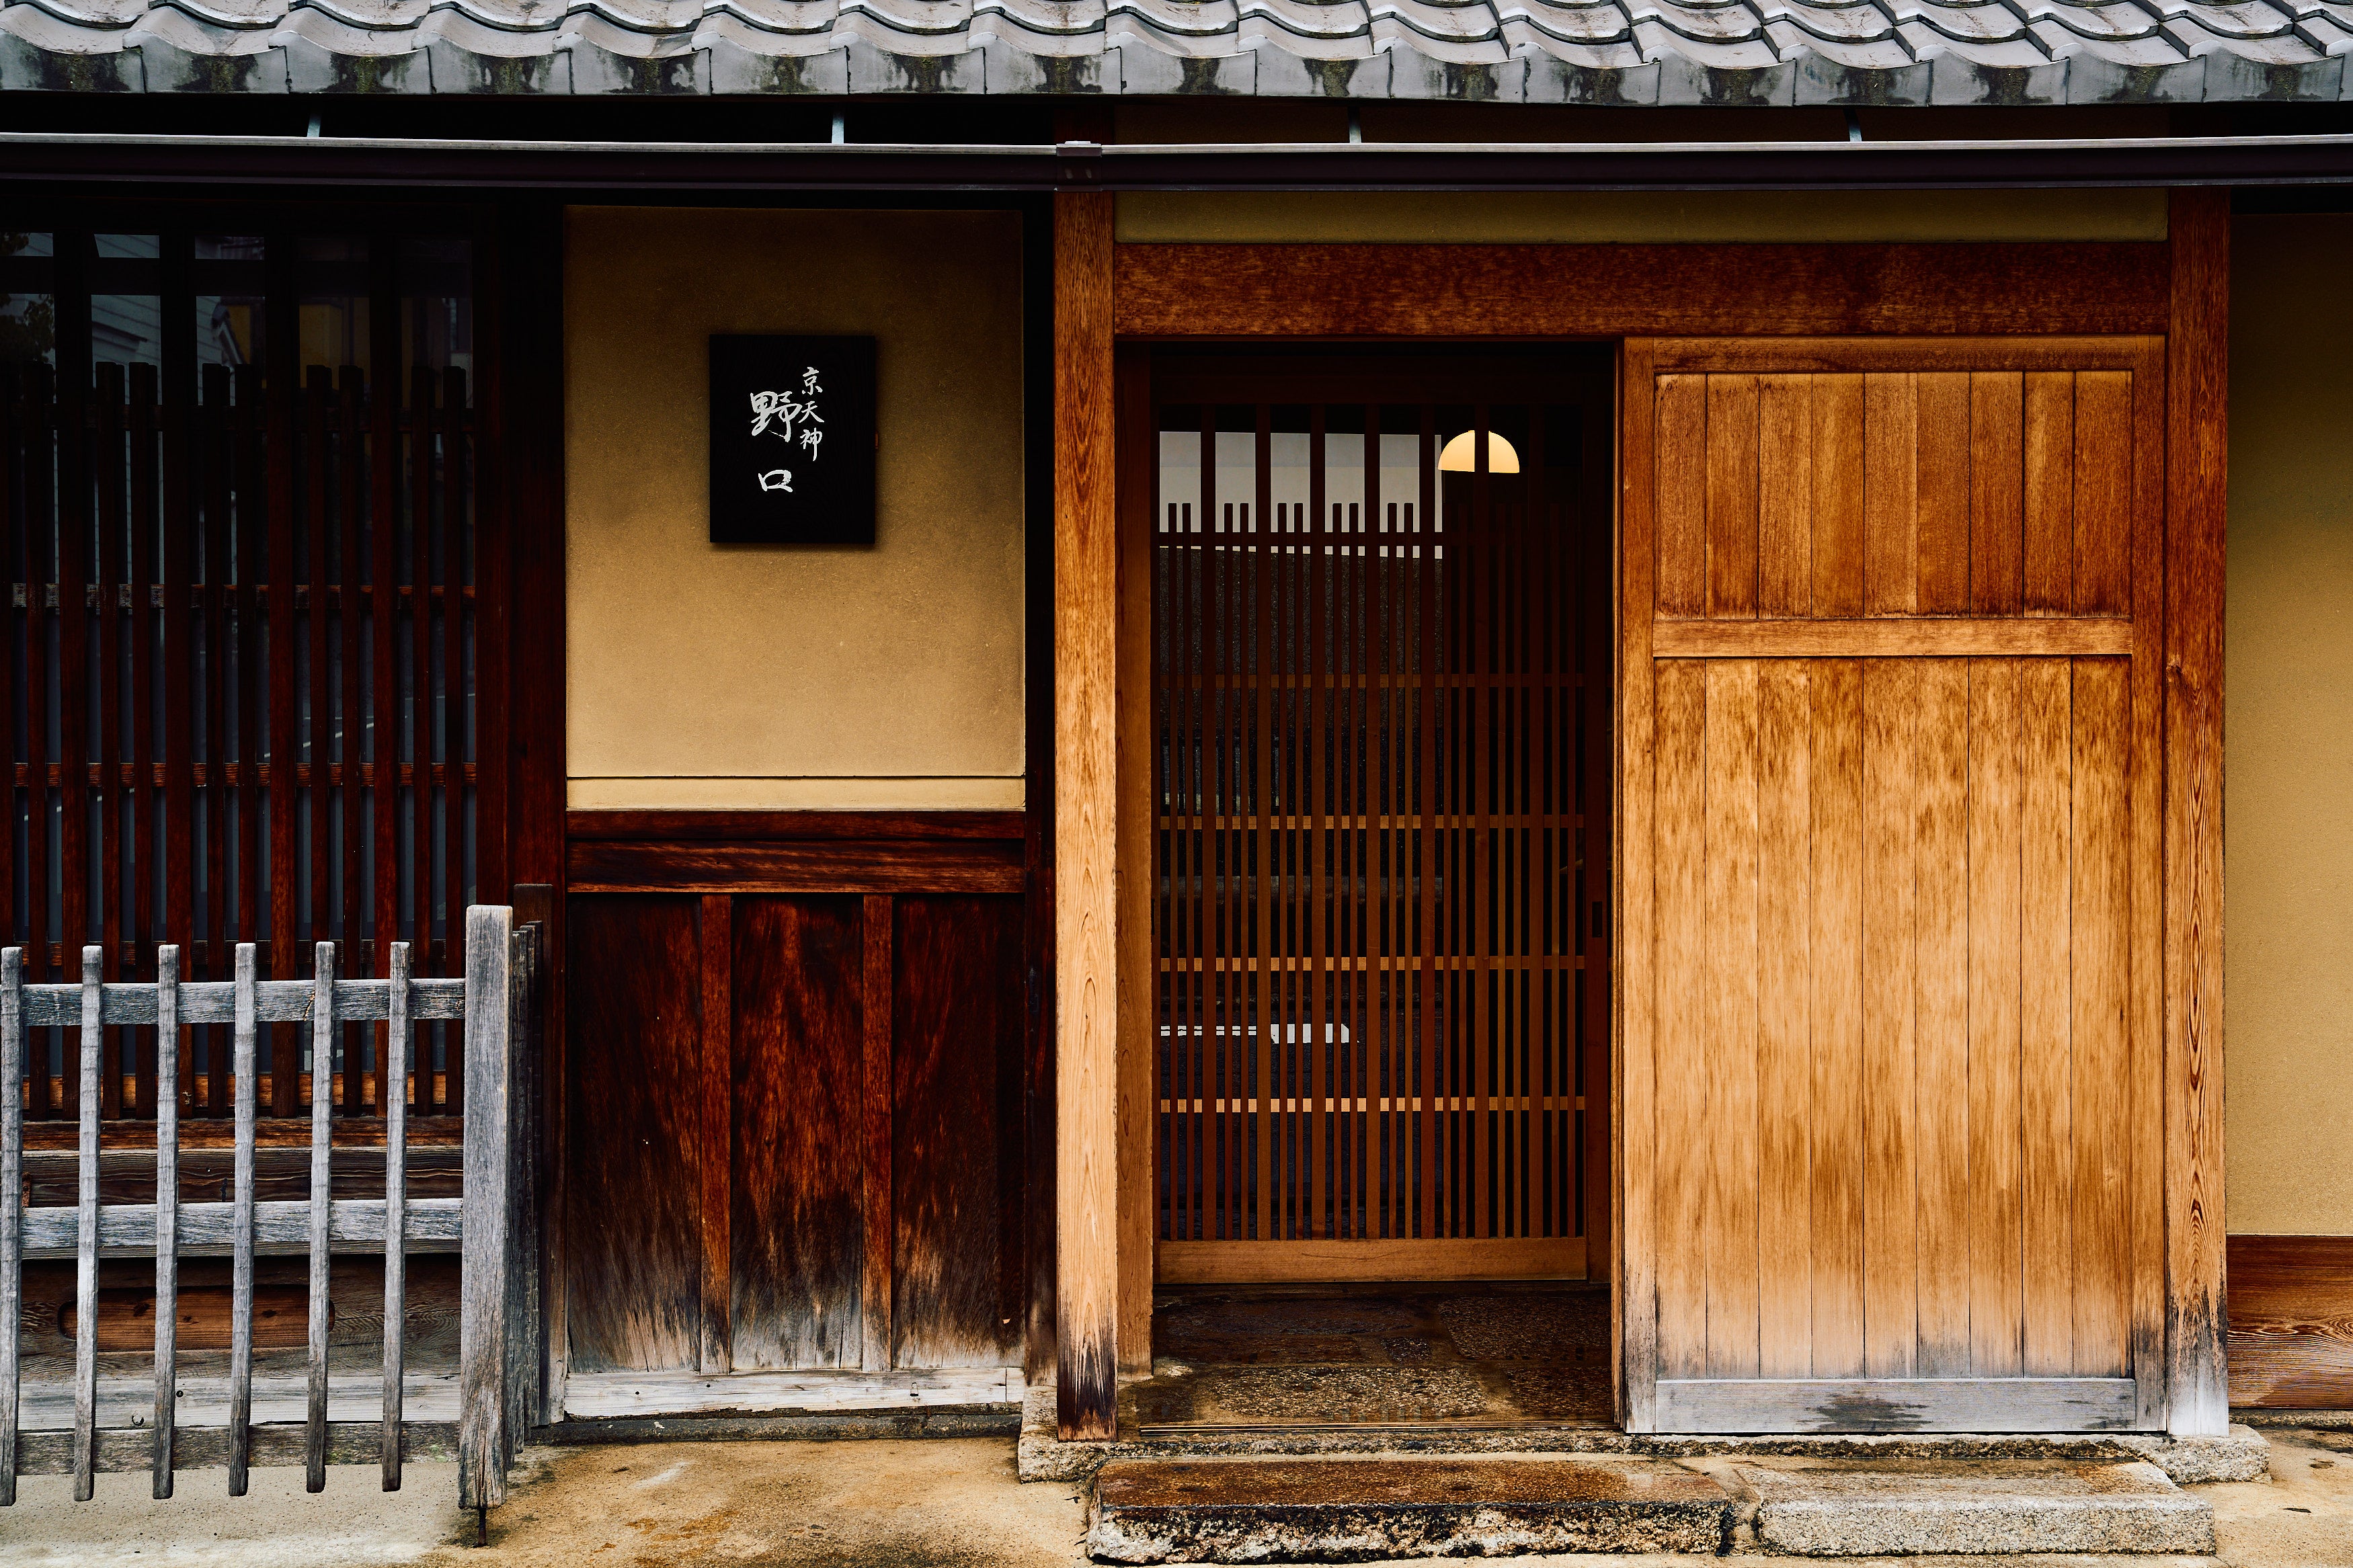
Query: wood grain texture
[(1086, 729), (1613, 290), (1138, 452), (797, 1168), (1889, 898), (753, 826), (790, 866), (1727, 1233), (1786, 1023), (955, 1088), (1835, 1116), (634, 1258), (1324, 1259), (2197, 359), (2291, 1321), (876, 1095), (1921, 637), (1994, 1131), (1633, 1264), (714, 1133)]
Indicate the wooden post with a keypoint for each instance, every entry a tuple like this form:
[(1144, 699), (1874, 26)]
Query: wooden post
[(245, 1026), (93, 1037), (167, 1212), (322, 1155), (483, 1320), (1086, 848), (11, 1214), (2197, 365), (398, 1032)]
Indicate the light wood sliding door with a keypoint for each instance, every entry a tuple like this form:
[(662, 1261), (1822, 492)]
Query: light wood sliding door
[(1380, 781), (1890, 981)]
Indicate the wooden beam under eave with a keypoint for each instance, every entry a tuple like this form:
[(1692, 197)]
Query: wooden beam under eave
[(2197, 383), (1086, 845)]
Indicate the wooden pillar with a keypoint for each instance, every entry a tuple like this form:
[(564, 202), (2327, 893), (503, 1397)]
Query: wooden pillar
[(2196, 370), (1086, 845)]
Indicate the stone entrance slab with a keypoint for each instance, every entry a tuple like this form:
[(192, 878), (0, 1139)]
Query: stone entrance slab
[(1877, 1507)]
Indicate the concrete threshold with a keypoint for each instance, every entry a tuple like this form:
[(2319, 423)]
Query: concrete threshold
[(2239, 1455), (1342, 1508)]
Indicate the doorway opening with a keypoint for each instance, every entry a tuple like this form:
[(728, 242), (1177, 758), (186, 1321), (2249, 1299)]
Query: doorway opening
[(1381, 762)]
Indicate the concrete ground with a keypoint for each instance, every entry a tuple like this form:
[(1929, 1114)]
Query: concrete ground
[(937, 1504)]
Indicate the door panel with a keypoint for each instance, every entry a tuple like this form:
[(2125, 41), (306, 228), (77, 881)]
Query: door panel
[(1892, 1150)]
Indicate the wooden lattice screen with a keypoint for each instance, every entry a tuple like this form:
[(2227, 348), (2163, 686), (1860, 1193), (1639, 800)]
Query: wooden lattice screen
[(1382, 842), (238, 482)]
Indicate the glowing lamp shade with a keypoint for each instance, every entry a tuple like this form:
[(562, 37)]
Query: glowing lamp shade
[(1455, 456)]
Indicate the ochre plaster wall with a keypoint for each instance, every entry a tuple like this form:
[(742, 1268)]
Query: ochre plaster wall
[(1631, 217), (2288, 753), (707, 675)]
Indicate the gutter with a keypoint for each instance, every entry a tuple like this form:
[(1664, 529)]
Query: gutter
[(32, 158)]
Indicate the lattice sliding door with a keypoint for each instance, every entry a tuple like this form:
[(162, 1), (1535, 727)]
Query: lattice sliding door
[(1381, 831), (242, 678)]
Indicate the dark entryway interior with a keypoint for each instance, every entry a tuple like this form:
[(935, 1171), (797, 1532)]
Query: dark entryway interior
[(1228, 1360)]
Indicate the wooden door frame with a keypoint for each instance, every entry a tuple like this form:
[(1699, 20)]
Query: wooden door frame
[(1105, 293)]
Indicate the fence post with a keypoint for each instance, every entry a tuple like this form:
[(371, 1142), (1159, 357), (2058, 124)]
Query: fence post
[(486, 1290)]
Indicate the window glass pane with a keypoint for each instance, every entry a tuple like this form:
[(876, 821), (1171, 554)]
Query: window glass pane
[(333, 271), (437, 305), (27, 310), (126, 304), (229, 282)]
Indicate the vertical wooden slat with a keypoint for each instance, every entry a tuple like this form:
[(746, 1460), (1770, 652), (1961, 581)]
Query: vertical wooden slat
[(2046, 1043), (74, 566), (108, 470), (487, 1310), (93, 1048), (1890, 1262), (1315, 825), (1479, 779), (283, 725), (1785, 518), (12, 529), (11, 1214), (1682, 1077), (351, 838), (1942, 400), (1891, 494), (212, 444), (139, 792), (454, 448), (1996, 475), (1996, 1289), (322, 1106), (1838, 452), (250, 693), (2048, 502), (1729, 1002), (715, 1154), (382, 748), (874, 1121), (1265, 697), (167, 1213), (1086, 698), (1834, 779), (1733, 519), (315, 690), (2101, 930), (396, 1213), (245, 1029), (1637, 1344), (1681, 495), (419, 726), (2157, 1349), (1785, 1077), (1941, 1058), (41, 574), (2103, 492), (181, 676)]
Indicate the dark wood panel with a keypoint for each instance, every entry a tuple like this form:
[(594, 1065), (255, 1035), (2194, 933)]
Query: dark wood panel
[(847, 865), (1610, 290), (796, 1227), (955, 1178), (2291, 1345), (821, 824), (633, 1261)]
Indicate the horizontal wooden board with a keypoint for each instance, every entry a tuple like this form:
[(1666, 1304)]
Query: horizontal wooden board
[(1927, 637), (215, 1002), (1898, 1404), (1797, 355), (1613, 290), (810, 825), (270, 1133), (835, 866), (128, 1230), (605, 1394), (206, 1448), (2291, 1345), (205, 1400), (1302, 1259)]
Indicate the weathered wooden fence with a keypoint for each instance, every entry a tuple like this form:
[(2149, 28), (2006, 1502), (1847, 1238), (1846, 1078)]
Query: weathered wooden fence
[(492, 1224)]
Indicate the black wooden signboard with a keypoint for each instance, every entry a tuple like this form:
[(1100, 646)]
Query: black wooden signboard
[(792, 440)]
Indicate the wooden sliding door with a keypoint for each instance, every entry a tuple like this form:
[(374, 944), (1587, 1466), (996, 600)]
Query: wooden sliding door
[(1890, 982), (1379, 735)]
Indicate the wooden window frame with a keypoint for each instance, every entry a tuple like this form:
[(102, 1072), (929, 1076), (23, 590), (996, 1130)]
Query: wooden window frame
[(1105, 293)]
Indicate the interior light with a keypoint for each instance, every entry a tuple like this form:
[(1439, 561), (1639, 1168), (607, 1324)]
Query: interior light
[(1455, 456)]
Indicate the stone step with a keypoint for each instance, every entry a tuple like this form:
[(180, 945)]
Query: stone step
[(1879, 1508), (1360, 1508)]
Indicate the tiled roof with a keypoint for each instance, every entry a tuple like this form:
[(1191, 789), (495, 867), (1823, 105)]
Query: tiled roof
[(1742, 52)]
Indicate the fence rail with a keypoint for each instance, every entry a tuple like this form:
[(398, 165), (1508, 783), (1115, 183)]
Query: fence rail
[(475, 1410)]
